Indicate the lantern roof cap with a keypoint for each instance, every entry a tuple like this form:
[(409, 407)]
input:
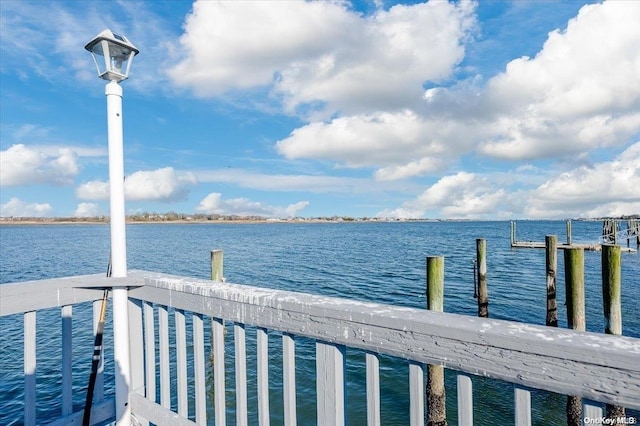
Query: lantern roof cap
[(112, 37)]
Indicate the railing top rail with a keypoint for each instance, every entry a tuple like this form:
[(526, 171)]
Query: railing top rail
[(596, 366), (29, 296)]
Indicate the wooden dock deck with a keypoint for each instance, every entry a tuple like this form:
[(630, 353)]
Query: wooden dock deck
[(610, 236), (586, 247)]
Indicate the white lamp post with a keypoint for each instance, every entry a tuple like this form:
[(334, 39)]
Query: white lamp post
[(113, 54)]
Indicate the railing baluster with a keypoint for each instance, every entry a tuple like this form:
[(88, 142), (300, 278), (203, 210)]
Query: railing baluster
[(465, 400), (590, 412), (98, 387), (241, 374), (416, 394), (523, 407), (30, 368), (181, 362), (136, 348), (199, 371), (330, 366), (149, 351), (165, 378), (373, 389), (67, 355), (219, 390), (263, 376), (289, 379)]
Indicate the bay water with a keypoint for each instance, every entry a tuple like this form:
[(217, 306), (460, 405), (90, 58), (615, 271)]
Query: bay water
[(382, 262)]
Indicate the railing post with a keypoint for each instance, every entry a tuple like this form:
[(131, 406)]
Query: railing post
[(436, 398), (611, 299), (574, 282)]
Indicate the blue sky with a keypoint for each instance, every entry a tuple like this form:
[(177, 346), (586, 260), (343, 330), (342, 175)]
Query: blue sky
[(484, 110)]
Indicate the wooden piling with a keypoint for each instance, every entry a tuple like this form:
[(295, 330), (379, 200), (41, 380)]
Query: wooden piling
[(436, 398), (217, 266), (551, 244), (574, 284), (216, 358), (483, 295), (569, 238), (513, 232), (611, 299)]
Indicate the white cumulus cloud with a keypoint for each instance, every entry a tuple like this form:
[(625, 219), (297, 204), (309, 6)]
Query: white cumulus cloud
[(215, 204), (157, 185), (401, 144), (19, 208), (580, 93), (163, 185), (87, 210), (460, 196), (609, 188), (323, 52), (22, 165)]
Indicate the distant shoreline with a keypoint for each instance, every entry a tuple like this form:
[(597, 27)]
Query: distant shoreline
[(249, 221), (14, 222)]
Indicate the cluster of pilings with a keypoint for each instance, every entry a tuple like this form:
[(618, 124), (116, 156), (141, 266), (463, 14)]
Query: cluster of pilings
[(575, 303), (614, 233)]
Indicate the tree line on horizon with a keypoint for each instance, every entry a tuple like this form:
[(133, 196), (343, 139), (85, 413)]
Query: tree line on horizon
[(174, 216)]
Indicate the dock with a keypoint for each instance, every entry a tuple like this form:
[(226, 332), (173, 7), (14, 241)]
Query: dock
[(612, 233)]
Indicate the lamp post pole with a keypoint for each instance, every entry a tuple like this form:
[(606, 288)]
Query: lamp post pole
[(121, 353), (113, 53)]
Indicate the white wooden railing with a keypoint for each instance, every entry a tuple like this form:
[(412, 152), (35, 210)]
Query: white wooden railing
[(597, 367)]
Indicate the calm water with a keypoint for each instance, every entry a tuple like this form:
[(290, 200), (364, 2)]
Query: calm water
[(381, 262)]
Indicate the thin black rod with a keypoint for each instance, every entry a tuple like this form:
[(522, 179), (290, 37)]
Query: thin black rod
[(97, 355)]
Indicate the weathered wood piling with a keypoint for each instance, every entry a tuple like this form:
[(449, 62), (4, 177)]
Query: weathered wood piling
[(217, 265), (551, 242), (436, 398), (574, 284), (217, 345), (483, 293), (611, 299)]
